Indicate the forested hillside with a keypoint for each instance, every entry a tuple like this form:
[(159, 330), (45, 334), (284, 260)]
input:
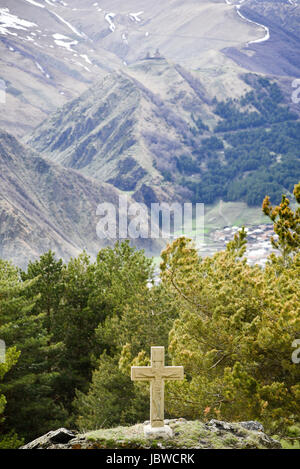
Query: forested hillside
[(73, 331), (255, 149), (181, 143), (181, 101)]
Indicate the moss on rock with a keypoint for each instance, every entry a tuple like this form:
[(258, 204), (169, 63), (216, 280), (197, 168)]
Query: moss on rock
[(186, 434)]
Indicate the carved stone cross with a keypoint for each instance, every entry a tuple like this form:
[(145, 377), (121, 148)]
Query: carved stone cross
[(157, 373)]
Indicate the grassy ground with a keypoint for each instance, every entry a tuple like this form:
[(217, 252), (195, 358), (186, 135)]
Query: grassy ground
[(186, 434), (287, 444), (224, 214)]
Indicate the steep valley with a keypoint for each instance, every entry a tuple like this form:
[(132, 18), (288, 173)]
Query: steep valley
[(181, 101), (52, 51)]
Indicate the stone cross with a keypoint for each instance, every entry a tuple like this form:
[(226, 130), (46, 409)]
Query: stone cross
[(157, 373)]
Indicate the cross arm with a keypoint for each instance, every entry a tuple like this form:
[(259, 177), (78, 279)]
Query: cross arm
[(141, 373), (173, 372)]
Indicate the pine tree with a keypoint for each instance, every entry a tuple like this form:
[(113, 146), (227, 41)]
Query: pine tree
[(29, 386), (8, 440), (112, 397), (48, 286), (286, 225), (234, 336)]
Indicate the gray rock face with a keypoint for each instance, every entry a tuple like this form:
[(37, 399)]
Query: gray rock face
[(60, 436), (252, 425), (237, 429), (42, 214)]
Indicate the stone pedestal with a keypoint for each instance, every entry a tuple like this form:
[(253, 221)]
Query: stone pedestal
[(158, 432)]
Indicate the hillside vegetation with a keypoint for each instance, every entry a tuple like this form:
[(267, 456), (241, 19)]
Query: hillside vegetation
[(74, 330), (186, 434), (178, 143)]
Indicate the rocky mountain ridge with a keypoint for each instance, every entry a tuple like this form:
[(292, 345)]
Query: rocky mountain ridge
[(45, 206), (123, 132), (156, 106), (158, 132), (51, 50)]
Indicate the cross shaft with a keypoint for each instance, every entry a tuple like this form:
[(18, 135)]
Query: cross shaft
[(157, 373)]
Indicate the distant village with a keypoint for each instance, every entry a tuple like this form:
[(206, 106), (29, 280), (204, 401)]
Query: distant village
[(258, 241)]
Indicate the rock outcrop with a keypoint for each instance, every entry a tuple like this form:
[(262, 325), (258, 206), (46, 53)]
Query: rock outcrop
[(186, 434)]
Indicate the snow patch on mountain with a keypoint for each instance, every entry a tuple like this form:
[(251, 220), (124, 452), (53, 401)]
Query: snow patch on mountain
[(8, 20), (136, 16), (109, 18), (69, 25), (50, 3), (36, 4), (86, 58), (267, 30), (230, 2), (83, 66), (41, 69), (64, 41)]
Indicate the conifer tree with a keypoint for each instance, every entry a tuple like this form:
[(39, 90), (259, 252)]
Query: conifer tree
[(234, 336), (139, 317), (48, 287), (286, 225), (7, 440), (29, 387)]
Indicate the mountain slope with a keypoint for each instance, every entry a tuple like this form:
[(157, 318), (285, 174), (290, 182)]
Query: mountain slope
[(156, 132), (52, 50), (45, 206), (121, 131), (193, 126), (276, 52)]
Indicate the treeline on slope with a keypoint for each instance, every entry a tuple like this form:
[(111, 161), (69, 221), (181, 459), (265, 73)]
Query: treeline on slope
[(254, 152), (61, 322), (74, 330)]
